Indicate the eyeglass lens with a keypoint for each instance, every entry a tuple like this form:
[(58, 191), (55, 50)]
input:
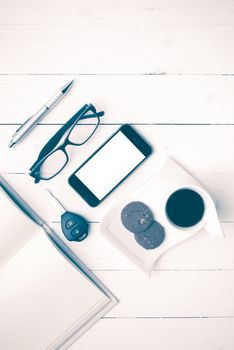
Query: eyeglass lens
[(80, 134), (53, 164)]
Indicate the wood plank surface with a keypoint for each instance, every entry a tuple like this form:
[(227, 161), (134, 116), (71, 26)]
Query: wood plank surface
[(169, 99), (167, 67), (146, 12), (163, 334), (137, 49), (172, 294)]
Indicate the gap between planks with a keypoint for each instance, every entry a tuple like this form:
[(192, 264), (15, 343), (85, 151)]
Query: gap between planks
[(141, 124), (117, 74), (164, 317)]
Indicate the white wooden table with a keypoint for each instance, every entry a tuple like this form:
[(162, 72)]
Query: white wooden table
[(168, 67)]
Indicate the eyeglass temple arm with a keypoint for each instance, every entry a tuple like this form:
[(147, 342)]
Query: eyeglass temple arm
[(86, 116), (51, 144)]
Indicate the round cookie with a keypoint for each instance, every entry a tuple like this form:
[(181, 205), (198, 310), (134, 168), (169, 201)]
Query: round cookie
[(152, 237), (136, 217)]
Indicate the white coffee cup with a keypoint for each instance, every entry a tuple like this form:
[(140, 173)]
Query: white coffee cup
[(209, 220)]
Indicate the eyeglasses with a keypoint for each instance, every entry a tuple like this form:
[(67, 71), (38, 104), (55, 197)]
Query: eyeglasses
[(53, 157)]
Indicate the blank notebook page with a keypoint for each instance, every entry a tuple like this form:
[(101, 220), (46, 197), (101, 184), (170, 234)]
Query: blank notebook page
[(16, 229), (42, 296)]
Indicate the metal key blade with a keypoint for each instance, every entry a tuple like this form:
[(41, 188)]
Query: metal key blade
[(57, 203)]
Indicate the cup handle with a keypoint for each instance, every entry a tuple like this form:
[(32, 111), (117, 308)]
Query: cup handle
[(213, 225)]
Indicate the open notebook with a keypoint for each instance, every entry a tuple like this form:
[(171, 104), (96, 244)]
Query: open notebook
[(46, 302)]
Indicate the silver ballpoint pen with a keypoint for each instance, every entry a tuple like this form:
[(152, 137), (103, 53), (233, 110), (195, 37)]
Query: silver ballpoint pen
[(30, 123)]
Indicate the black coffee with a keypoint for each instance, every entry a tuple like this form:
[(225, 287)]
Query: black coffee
[(185, 208)]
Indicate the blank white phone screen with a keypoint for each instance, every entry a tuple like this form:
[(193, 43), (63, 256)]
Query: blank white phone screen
[(113, 162)]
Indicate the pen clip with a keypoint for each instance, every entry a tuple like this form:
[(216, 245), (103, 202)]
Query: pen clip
[(23, 124)]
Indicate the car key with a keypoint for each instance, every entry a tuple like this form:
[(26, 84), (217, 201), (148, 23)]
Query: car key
[(75, 227)]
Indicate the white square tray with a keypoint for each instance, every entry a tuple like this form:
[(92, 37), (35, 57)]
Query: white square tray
[(154, 193)]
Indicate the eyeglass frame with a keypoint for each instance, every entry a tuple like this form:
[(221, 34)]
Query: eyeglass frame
[(54, 144)]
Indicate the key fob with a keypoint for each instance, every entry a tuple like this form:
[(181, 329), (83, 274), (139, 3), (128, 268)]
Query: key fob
[(74, 226)]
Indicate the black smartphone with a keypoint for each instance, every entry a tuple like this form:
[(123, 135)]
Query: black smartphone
[(109, 165)]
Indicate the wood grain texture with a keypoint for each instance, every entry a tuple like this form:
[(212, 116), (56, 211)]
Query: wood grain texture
[(172, 294), (203, 12), (127, 49), (169, 67), (163, 334), (169, 99)]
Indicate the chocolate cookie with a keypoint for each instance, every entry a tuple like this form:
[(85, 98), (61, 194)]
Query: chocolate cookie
[(152, 237), (136, 217)]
